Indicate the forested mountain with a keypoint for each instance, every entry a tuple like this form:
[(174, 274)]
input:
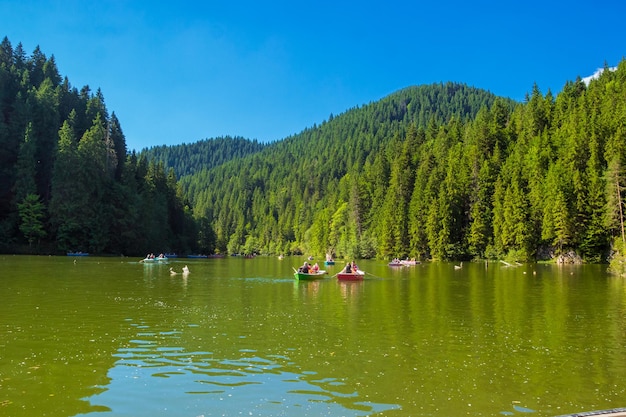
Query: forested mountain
[(442, 171), (324, 189), (187, 159), (66, 180)]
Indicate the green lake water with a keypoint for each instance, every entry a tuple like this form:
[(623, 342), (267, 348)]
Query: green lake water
[(105, 337)]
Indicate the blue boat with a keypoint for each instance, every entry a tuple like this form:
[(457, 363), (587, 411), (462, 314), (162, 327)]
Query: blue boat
[(77, 254)]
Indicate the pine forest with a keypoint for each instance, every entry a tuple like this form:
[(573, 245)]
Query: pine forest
[(439, 172)]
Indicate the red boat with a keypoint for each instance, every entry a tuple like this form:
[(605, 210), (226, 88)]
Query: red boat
[(352, 276)]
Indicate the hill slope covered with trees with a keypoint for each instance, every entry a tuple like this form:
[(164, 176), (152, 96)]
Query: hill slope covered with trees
[(442, 171), (66, 179), (284, 198), (187, 159)]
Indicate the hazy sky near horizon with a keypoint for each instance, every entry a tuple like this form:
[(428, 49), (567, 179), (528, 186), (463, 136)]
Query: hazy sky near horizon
[(184, 71)]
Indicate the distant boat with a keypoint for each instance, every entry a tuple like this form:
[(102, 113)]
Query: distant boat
[(395, 262), (330, 262), (197, 256), (157, 260), (171, 255), (77, 254)]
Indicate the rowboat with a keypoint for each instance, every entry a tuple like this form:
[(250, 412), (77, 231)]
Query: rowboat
[(77, 254), (352, 276), (396, 263), (329, 262), (301, 276)]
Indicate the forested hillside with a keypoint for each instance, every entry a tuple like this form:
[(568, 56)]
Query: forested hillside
[(323, 189), (187, 159), (66, 180), (442, 171)]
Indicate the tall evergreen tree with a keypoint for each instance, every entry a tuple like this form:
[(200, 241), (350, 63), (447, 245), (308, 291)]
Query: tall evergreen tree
[(26, 166), (32, 215)]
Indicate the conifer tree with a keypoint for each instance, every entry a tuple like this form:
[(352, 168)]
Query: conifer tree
[(68, 193), (32, 215), (26, 170)]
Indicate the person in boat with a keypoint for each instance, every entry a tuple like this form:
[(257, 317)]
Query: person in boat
[(354, 267), (305, 269), (315, 269), (347, 269)]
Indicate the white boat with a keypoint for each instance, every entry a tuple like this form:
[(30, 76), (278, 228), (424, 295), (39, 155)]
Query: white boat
[(157, 260)]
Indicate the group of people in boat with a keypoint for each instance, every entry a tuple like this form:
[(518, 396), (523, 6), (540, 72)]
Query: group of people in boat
[(350, 268), (308, 269)]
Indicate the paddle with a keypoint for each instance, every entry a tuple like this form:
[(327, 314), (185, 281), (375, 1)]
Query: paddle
[(375, 276)]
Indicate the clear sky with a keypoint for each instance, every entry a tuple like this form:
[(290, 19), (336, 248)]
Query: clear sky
[(184, 71)]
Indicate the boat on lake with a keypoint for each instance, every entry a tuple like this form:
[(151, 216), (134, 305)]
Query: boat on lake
[(330, 262), (301, 276), (156, 260), (77, 254), (351, 276), (403, 262)]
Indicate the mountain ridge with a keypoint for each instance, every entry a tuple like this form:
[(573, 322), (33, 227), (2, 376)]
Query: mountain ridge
[(405, 102)]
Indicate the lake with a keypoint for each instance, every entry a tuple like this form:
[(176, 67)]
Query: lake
[(90, 336)]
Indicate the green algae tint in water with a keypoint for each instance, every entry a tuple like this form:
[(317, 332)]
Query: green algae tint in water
[(111, 336)]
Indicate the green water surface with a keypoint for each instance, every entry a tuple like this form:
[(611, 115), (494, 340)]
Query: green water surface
[(240, 337)]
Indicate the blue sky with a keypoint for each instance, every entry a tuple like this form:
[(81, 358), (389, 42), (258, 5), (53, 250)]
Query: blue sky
[(184, 71)]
